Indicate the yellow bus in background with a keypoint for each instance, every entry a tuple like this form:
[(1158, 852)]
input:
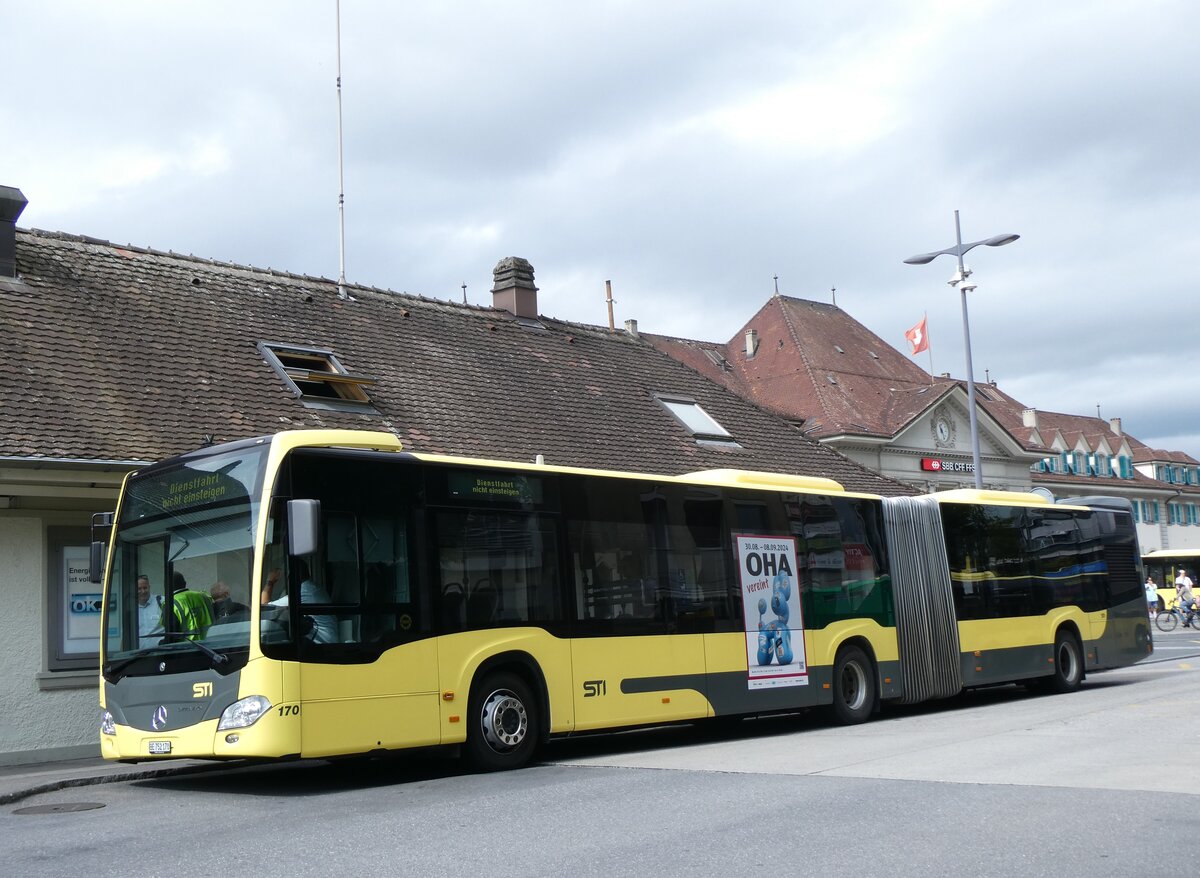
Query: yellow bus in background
[(380, 600), (1164, 565)]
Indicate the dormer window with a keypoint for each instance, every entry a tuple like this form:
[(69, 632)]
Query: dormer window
[(316, 376)]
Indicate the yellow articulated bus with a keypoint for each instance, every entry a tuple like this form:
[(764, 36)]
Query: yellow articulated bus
[(321, 593), (1165, 565)]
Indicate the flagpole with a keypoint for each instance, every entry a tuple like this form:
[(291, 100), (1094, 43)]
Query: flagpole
[(341, 173), (928, 346)]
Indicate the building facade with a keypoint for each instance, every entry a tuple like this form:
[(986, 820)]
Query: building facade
[(817, 366)]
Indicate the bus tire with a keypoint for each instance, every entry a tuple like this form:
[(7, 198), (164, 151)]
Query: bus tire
[(1068, 663), (502, 730), (853, 686)]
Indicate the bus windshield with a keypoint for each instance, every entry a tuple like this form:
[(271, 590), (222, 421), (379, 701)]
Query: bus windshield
[(178, 594)]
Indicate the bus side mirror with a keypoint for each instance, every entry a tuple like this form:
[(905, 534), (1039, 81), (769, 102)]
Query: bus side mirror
[(96, 561), (100, 521), (304, 526)]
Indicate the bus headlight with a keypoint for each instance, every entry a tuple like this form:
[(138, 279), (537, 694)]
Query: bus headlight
[(243, 713), (108, 726)]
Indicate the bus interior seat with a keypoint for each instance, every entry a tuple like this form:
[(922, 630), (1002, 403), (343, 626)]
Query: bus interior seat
[(482, 604)]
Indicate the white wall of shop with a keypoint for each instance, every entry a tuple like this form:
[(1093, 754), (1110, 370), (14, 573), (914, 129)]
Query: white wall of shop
[(42, 719)]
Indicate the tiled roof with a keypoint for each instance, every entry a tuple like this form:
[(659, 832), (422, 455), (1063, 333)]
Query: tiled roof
[(119, 353), (1146, 454), (816, 363)]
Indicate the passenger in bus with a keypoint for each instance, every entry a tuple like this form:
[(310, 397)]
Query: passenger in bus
[(269, 587), (324, 627), (225, 608), (150, 628), (192, 610)]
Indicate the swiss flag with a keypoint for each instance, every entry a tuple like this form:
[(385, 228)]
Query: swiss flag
[(918, 337)]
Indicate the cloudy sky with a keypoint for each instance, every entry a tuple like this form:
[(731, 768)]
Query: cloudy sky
[(688, 151)]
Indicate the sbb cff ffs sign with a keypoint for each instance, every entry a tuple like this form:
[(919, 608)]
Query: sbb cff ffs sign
[(937, 465)]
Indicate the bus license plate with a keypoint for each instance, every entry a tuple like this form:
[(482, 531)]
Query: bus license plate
[(160, 748)]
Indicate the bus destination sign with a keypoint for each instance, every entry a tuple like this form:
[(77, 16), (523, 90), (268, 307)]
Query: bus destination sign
[(502, 487)]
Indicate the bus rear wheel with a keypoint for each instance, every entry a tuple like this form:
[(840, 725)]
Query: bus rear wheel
[(1068, 663), (502, 732), (853, 686)]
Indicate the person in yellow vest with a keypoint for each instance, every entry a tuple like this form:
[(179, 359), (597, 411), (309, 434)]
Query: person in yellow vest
[(192, 610)]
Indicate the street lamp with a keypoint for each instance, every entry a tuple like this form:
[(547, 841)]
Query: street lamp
[(960, 280)]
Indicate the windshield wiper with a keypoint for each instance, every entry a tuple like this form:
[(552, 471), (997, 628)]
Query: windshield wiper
[(114, 668), (217, 658)]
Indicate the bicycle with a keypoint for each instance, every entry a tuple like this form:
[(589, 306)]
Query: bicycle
[(1168, 620)]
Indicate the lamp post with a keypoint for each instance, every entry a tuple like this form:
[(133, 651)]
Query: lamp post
[(960, 280)]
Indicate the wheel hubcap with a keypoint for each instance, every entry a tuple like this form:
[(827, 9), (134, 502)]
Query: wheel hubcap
[(853, 686), (1066, 662), (505, 723)]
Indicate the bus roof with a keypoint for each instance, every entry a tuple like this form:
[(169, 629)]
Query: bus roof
[(381, 441), (985, 497)]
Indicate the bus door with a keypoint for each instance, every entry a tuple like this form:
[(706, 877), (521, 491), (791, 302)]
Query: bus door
[(634, 659), (368, 662), (638, 651), (638, 679)]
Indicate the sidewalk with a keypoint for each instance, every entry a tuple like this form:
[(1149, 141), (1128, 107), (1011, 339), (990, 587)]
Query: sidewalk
[(18, 782)]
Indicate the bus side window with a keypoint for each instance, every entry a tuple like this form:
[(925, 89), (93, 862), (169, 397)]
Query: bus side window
[(613, 537), (497, 567)]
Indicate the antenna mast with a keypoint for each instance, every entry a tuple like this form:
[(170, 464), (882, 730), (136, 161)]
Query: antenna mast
[(341, 173)]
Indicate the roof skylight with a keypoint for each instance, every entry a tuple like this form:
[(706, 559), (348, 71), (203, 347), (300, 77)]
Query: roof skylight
[(316, 376), (696, 419)]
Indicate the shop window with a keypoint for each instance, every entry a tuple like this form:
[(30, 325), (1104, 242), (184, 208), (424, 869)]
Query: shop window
[(74, 605)]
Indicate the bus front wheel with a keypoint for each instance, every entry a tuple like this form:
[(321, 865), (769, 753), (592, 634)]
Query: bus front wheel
[(853, 686), (1068, 663), (502, 733)]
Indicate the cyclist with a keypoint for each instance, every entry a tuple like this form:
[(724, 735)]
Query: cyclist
[(1187, 600)]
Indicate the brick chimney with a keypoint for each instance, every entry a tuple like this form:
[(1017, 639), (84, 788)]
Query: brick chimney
[(1114, 424), (513, 290), (12, 202), (1029, 418)]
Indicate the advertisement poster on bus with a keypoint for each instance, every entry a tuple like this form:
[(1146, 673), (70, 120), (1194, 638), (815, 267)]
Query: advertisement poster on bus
[(770, 581)]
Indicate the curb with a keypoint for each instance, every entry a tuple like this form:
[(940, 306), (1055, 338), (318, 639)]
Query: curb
[(63, 783)]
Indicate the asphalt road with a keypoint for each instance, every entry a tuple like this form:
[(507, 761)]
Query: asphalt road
[(997, 782)]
